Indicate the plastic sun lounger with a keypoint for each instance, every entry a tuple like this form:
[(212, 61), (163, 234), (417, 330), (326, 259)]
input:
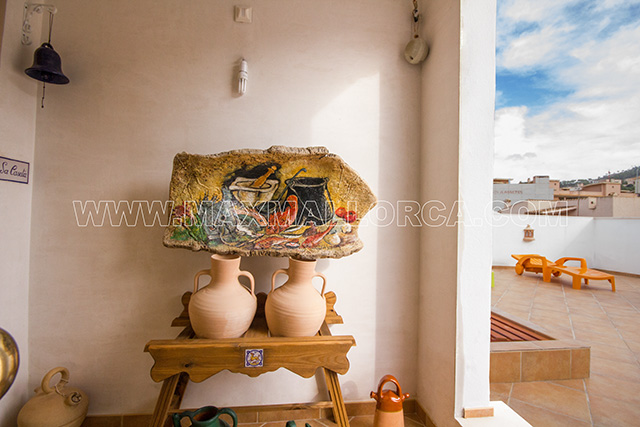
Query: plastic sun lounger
[(539, 264)]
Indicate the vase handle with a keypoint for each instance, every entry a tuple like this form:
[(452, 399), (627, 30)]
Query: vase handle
[(64, 379), (195, 280), (232, 414), (324, 281), (251, 280), (273, 277)]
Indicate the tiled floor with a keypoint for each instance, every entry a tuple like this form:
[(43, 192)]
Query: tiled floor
[(410, 420), (609, 322)]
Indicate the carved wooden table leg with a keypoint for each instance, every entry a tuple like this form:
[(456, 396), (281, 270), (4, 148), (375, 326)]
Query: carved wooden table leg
[(339, 408), (173, 388), (170, 397), (187, 359)]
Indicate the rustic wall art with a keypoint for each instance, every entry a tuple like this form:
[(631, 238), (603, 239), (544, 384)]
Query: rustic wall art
[(304, 203)]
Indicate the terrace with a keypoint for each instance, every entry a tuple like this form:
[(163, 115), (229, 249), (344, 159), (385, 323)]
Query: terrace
[(594, 316)]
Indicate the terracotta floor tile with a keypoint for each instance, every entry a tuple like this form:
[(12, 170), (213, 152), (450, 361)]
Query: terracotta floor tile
[(500, 391), (630, 335), (633, 345), (136, 420), (560, 333), (553, 305), (516, 303), (553, 397), (620, 370), (627, 325), (607, 339), (412, 422), (362, 421), (549, 323), (540, 417), (612, 412), (546, 365), (601, 316), (523, 314), (609, 322), (574, 384), (544, 310), (102, 421), (613, 388), (326, 422), (603, 351), (595, 324), (586, 308)]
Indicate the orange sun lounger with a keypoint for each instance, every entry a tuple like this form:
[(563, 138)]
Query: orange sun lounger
[(539, 264)]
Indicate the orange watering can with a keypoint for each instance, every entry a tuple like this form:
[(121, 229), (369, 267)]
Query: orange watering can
[(389, 404)]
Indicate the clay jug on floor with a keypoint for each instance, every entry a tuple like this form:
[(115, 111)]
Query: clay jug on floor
[(389, 411), (55, 406), (224, 308), (209, 416), (296, 309)]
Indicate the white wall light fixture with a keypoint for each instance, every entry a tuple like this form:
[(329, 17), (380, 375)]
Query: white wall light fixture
[(243, 76)]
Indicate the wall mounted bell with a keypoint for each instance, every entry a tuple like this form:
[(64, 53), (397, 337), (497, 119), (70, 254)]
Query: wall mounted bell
[(47, 66)]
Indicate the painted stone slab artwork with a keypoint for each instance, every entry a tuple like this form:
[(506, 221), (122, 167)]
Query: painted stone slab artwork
[(304, 203)]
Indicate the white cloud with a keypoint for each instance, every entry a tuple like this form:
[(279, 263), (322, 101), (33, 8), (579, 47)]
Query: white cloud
[(530, 11), (533, 49), (591, 131), (609, 4)]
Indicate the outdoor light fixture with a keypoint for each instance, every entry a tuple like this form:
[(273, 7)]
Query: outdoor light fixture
[(528, 234), (243, 76), (47, 65), (417, 49)]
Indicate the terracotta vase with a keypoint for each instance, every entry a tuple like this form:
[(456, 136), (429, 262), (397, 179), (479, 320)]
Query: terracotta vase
[(59, 405), (389, 411), (296, 309), (224, 308)]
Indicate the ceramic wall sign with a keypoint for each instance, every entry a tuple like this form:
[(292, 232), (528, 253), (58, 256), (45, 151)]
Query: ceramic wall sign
[(304, 203)]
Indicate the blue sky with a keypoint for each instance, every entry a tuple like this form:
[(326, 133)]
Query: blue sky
[(567, 88)]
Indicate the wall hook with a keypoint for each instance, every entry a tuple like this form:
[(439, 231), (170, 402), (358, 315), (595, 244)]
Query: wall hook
[(29, 10)]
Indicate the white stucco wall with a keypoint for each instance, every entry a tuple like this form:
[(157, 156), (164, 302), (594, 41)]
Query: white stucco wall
[(152, 79), (17, 132), (439, 244), (149, 80), (616, 244), (457, 158), (555, 237), (605, 243), (477, 94)]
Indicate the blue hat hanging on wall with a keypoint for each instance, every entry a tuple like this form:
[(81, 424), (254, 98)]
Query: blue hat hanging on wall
[(47, 65)]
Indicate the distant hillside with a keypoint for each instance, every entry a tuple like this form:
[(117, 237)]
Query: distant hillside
[(628, 173)]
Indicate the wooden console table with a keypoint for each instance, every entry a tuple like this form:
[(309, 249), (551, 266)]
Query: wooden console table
[(185, 358)]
